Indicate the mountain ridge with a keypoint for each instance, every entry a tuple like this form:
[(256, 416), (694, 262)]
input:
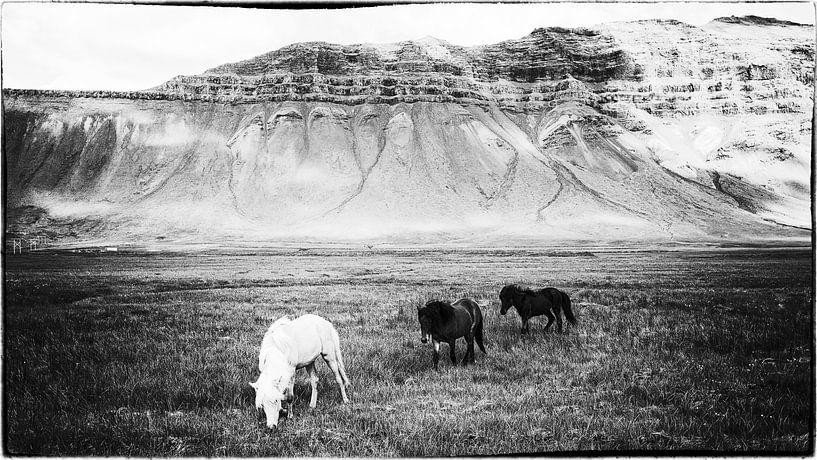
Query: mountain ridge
[(622, 132), (759, 20)]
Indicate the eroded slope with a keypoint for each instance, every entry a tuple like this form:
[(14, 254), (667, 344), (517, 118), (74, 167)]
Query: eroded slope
[(648, 130)]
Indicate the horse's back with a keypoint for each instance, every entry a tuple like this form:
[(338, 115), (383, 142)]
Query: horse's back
[(553, 295), (471, 307), (309, 337), (466, 303), (310, 320), (545, 299)]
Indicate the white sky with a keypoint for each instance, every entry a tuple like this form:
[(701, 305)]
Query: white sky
[(131, 47)]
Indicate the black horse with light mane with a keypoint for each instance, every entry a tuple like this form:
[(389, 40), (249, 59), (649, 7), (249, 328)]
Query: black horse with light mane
[(444, 322), (529, 303)]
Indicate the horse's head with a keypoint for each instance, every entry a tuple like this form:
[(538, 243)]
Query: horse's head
[(269, 397), (429, 317), (506, 296)]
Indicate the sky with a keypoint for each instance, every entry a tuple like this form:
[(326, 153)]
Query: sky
[(133, 47)]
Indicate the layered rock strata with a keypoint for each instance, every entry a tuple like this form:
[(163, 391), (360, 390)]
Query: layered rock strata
[(650, 129)]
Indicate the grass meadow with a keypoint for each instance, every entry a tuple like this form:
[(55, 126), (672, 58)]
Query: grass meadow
[(151, 354)]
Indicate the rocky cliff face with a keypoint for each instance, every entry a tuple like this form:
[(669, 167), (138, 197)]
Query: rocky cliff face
[(647, 130), (514, 73)]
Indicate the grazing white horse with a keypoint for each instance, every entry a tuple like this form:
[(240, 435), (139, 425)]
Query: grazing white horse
[(289, 345)]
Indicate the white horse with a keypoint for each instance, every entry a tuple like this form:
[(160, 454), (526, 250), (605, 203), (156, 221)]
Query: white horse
[(289, 345)]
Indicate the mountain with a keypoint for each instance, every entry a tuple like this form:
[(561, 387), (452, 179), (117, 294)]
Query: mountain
[(648, 130)]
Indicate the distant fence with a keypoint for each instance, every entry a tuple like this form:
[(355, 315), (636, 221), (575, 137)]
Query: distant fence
[(26, 243)]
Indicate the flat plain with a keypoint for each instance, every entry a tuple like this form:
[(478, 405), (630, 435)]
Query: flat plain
[(150, 354)]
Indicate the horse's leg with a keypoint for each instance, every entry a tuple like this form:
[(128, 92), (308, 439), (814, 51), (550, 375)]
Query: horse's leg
[(436, 352), (550, 319), (558, 312), (469, 354), (290, 394), (313, 381), (452, 352), (290, 398), (525, 324), (333, 364)]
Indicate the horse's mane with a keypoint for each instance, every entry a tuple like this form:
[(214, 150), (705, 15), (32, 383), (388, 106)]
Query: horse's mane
[(517, 289), (524, 290), (438, 310), (268, 343)]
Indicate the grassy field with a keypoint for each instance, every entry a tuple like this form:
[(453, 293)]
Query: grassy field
[(150, 354)]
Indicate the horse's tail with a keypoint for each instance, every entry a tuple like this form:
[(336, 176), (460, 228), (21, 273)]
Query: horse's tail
[(478, 333), (566, 307), (339, 356)]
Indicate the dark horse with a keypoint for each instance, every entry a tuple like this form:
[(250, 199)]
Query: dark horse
[(444, 322), (530, 303)]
